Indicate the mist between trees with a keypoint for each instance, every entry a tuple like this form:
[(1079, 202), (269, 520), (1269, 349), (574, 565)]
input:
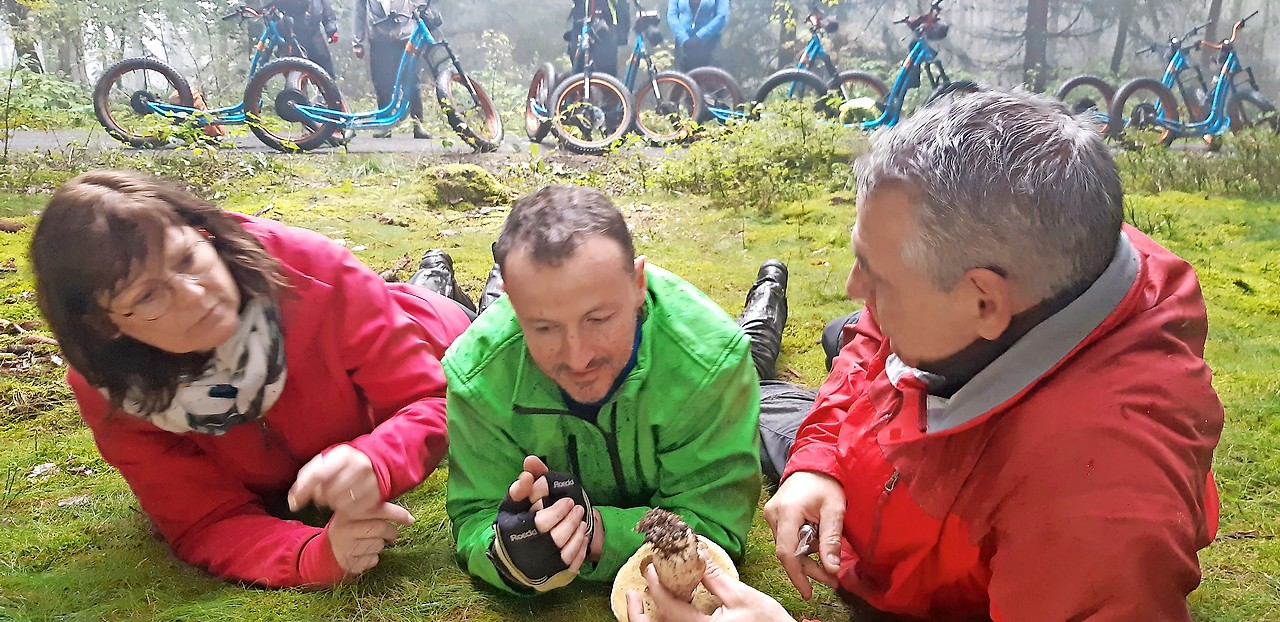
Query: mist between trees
[(1004, 42)]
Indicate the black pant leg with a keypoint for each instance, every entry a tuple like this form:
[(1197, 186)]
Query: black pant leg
[(318, 51), (384, 60), (832, 338), (783, 407)]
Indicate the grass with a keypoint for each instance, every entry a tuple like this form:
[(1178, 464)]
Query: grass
[(95, 557)]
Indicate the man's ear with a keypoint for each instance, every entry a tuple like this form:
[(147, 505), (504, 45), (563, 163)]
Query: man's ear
[(992, 301), (641, 282)]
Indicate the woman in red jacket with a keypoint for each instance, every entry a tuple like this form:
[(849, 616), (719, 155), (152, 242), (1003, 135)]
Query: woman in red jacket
[(236, 371)]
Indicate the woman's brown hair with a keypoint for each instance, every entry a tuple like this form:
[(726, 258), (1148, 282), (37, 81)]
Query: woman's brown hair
[(98, 230)]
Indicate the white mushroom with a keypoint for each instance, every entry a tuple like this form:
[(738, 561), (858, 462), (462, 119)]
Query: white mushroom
[(672, 547)]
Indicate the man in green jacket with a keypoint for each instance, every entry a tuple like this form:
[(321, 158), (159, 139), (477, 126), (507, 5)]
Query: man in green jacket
[(598, 388)]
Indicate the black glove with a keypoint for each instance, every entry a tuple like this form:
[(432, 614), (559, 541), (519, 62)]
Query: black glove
[(525, 557), (567, 486)]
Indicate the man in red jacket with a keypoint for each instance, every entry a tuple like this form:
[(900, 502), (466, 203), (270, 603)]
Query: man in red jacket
[(1020, 424)]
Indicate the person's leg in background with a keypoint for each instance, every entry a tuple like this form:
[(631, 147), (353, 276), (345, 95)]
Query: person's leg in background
[(833, 335), (783, 405), (696, 53), (415, 103), (604, 53), (318, 50), (384, 60)]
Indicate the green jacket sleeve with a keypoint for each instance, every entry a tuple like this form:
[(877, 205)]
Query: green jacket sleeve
[(483, 462), (708, 466)]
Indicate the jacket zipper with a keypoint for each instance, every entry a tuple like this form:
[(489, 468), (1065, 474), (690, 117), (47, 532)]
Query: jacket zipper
[(611, 440), (879, 518), (574, 467)]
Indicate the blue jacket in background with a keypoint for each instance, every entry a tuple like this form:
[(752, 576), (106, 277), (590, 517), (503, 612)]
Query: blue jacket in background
[(710, 19)]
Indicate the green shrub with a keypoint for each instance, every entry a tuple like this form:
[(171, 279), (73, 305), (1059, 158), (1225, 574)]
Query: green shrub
[(32, 100), (1244, 165), (788, 155)]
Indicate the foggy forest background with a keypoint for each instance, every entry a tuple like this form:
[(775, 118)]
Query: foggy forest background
[(1004, 42)]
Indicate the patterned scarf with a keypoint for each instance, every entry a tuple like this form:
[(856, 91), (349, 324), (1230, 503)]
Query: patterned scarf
[(241, 381)]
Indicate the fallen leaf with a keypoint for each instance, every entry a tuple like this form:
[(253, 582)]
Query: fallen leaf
[(43, 470), (73, 501), (80, 470), (34, 339), (359, 247), (447, 232)]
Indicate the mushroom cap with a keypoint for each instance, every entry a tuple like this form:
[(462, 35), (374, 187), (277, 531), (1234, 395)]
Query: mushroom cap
[(630, 578)]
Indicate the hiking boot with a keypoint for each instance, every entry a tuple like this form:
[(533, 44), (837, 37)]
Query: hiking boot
[(764, 315), (419, 131), (435, 272), (492, 289), (340, 138), (383, 133)]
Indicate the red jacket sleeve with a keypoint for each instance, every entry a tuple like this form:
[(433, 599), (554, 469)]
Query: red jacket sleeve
[(209, 520), (1112, 536), (815, 447), (391, 344)]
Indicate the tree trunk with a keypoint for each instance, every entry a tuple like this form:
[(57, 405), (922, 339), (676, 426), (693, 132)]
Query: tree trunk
[(1122, 36), (1211, 33), (70, 61), (1035, 70), (24, 43), (784, 39)]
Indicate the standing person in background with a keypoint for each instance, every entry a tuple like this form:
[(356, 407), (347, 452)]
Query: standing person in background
[(315, 26), (610, 22), (385, 38), (697, 25)]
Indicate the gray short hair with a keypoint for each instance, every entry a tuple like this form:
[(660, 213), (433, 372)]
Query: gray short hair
[(553, 221), (1009, 181)]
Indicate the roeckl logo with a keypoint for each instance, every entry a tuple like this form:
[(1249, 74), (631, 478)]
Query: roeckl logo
[(528, 534), (562, 484)]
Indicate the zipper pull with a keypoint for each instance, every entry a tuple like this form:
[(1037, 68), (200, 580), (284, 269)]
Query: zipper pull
[(893, 481)]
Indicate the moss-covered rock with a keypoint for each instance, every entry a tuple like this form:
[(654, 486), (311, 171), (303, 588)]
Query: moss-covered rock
[(462, 186)]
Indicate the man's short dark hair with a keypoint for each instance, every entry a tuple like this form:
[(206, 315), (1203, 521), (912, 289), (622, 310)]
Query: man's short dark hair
[(555, 220)]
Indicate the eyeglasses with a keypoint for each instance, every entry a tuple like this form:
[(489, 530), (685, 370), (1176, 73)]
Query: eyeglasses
[(152, 298)]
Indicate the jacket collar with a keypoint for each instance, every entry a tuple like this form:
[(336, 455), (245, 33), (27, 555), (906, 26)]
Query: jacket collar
[(1038, 352)]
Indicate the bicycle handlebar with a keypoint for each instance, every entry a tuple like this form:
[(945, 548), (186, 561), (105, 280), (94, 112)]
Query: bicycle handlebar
[(1197, 29), (419, 11), (922, 19), (1235, 30), (244, 12)]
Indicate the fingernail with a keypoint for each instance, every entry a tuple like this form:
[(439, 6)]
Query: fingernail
[(412, 520), (833, 559)]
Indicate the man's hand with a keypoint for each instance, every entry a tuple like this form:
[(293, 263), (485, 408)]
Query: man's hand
[(536, 545), (357, 541), (333, 38), (358, 49), (549, 487), (814, 498), (340, 479), (740, 602)]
